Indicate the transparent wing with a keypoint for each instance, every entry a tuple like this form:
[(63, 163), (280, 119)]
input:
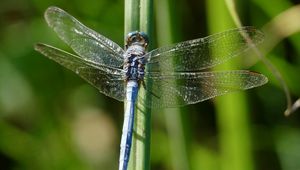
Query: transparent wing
[(88, 44), (107, 80), (179, 89), (202, 53)]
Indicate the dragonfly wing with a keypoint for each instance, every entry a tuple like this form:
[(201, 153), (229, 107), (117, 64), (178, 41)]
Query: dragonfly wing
[(179, 89), (107, 80), (87, 43), (203, 53)]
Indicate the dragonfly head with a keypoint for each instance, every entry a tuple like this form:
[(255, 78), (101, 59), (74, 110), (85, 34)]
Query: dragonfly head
[(137, 38)]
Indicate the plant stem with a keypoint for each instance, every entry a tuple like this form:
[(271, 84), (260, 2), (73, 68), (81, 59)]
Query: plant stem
[(173, 118), (138, 17), (146, 16), (232, 109), (132, 16)]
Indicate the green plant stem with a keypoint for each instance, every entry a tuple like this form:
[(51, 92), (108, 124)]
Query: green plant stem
[(132, 16), (146, 17), (138, 17), (232, 109), (165, 31)]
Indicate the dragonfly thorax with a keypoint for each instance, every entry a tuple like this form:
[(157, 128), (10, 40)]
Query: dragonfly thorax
[(134, 64)]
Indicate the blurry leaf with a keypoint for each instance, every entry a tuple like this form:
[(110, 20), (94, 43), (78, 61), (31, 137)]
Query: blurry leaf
[(204, 158), (273, 8), (95, 137), (288, 147), (18, 145), (282, 26), (15, 92)]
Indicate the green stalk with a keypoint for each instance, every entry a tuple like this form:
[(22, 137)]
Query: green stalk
[(138, 17), (165, 31), (232, 109), (146, 17), (132, 16)]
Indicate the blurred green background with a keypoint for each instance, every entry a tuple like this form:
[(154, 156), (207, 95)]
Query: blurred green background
[(52, 119)]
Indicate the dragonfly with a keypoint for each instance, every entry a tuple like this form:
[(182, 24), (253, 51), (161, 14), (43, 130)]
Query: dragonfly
[(179, 73)]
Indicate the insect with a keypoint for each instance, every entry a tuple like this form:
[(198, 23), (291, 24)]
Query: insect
[(178, 73)]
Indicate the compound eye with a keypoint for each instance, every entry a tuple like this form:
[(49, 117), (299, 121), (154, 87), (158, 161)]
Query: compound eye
[(144, 36), (133, 39)]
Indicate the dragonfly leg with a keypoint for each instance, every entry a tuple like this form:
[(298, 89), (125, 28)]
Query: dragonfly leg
[(144, 85)]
